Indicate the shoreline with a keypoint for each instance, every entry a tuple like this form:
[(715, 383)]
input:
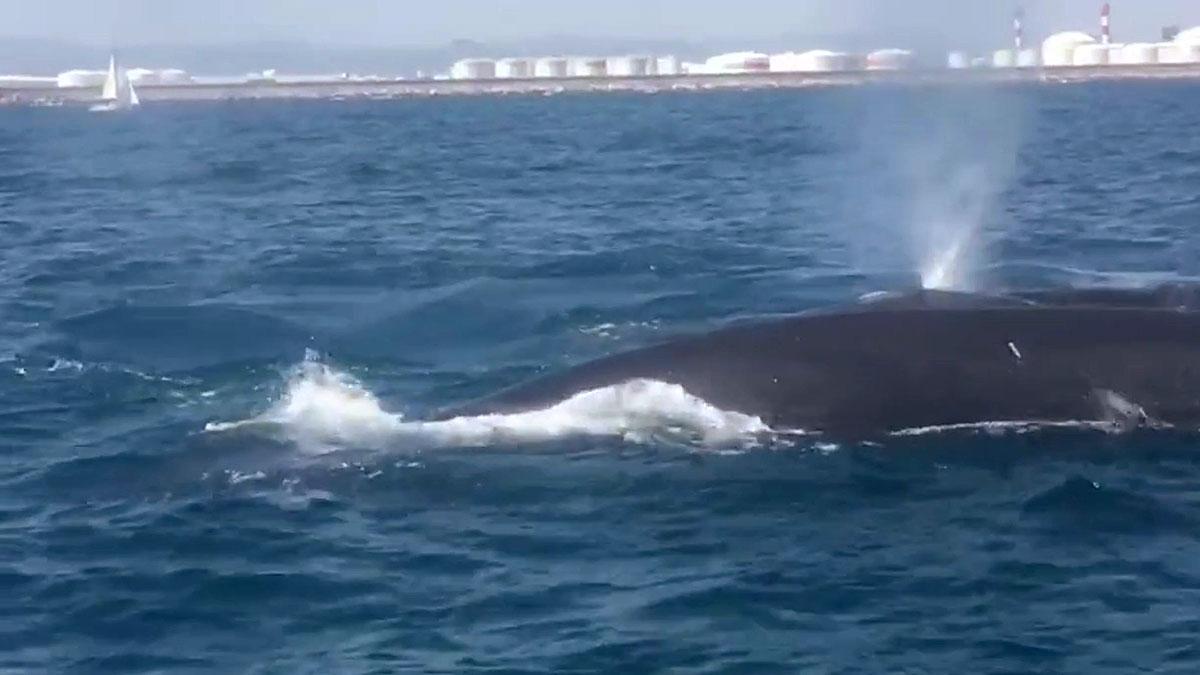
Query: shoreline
[(402, 88)]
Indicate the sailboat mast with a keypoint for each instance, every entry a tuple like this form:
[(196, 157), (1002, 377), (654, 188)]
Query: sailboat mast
[(111, 83)]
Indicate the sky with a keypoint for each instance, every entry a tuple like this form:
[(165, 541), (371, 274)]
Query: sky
[(379, 23)]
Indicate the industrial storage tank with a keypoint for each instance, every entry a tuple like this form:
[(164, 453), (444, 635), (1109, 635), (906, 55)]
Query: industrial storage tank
[(1190, 36), (852, 61), (958, 61), (784, 63), (1028, 58), (1168, 52), (629, 66), (890, 59), (82, 78), (1175, 53), (174, 76), (1090, 55), (825, 61), (1059, 49), (473, 69), (1135, 54), (588, 66), (28, 82), (514, 69), (817, 60), (552, 66), (1004, 58), (738, 62), (1185, 48), (668, 65), (143, 76)]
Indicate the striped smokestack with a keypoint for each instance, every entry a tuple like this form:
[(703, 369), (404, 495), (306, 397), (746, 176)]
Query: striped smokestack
[(1105, 33), (1019, 28)]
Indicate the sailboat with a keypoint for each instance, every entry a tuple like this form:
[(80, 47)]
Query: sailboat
[(118, 92)]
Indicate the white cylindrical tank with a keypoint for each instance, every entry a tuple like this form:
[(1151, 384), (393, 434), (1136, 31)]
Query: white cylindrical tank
[(1028, 58), (28, 82), (1059, 49), (514, 69), (890, 59), (82, 78), (958, 60), (174, 76), (824, 61), (552, 66), (1191, 36), (1185, 48), (628, 66), (1184, 54), (1136, 54), (1168, 52), (669, 65), (738, 62), (787, 62), (852, 61), (473, 69), (1004, 58), (143, 76), (812, 61), (588, 66), (1090, 55)]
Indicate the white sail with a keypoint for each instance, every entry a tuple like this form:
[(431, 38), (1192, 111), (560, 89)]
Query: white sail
[(118, 93), (110, 82)]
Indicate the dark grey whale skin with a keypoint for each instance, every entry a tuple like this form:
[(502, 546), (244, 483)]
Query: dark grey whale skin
[(925, 359)]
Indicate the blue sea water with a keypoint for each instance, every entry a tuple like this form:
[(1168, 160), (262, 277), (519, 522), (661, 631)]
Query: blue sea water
[(223, 325)]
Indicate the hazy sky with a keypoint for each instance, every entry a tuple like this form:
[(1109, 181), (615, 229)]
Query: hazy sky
[(409, 22)]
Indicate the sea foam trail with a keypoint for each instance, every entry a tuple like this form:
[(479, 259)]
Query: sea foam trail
[(325, 409)]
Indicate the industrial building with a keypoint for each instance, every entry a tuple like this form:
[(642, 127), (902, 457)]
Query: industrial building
[(81, 78), (514, 69), (631, 66), (552, 66), (1071, 55), (473, 69), (890, 59), (589, 66), (814, 61), (1079, 49), (144, 76), (1066, 49), (669, 65), (28, 82)]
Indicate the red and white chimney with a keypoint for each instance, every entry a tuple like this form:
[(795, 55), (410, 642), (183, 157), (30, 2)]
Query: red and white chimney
[(1019, 29), (1105, 33)]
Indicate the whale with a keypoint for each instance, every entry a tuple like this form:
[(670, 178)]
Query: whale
[(891, 362)]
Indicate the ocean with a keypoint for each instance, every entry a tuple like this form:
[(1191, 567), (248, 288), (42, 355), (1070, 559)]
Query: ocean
[(227, 327)]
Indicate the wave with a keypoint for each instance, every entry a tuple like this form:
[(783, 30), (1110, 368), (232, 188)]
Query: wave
[(323, 409), (1011, 426), (176, 337)]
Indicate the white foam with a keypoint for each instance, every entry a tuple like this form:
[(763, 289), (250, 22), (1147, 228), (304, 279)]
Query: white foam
[(64, 364), (322, 409), (1008, 426)]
